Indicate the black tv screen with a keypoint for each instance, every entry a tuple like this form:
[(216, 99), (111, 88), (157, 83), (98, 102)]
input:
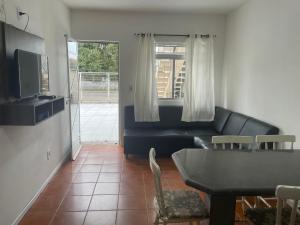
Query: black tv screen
[(28, 73)]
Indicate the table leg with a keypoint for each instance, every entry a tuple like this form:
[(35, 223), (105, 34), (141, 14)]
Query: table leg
[(222, 209)]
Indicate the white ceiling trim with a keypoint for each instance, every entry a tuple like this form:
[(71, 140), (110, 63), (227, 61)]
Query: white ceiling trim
[(187, 6)]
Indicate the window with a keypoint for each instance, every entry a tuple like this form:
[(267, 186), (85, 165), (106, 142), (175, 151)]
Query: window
[(170, 71)]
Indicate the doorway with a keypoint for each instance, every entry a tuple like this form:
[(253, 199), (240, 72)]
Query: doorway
[(98, 66)]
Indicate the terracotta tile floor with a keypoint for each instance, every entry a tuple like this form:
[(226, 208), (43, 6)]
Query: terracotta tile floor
[(102, 188)]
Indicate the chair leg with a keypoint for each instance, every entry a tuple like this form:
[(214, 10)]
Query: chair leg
[(257, 202), (243, 206), (156, 222)]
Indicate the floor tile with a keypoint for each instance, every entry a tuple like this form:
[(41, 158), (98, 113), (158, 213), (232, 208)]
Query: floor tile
[(94, 160), (86, 178), (132, 217), (82, 189), (46, 203), (69, 218), (107, 188), (90, 169), (132, 188), (37, 218), (76, 203), (104, 116), (131, 202), (101, 218), (109, 177), (104, 202), (112, 168)]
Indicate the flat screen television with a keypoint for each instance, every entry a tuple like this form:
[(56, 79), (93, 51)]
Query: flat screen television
[(28, 74)]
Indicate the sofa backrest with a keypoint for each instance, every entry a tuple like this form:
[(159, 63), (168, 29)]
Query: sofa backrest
[(234, 124), (221, 117), (255, 127), (170, 117)]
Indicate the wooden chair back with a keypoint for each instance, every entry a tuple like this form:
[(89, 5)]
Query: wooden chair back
[(232, 140), (157, 182), (284, 193), (276, 141)]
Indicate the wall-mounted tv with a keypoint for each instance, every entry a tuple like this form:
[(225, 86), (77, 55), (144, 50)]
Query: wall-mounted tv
[(28, 74)]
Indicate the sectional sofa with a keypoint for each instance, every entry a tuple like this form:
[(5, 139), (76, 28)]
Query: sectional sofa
[(171, 134)]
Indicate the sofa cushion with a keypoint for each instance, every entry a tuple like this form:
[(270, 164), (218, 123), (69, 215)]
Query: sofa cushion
[(165, 141), (201, 132), (153, 132), (255, 127), (170, 117), (235, 123), (221, 117)]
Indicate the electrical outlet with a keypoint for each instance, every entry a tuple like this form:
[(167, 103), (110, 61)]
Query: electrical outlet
[(2, 8), (18, 13), (48, 155)]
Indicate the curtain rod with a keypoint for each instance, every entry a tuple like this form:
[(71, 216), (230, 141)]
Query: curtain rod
[(176, 35)]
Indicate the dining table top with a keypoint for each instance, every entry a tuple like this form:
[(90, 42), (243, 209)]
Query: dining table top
[(238, 172)]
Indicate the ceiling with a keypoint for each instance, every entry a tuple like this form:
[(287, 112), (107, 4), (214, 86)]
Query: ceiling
[(197, 6)]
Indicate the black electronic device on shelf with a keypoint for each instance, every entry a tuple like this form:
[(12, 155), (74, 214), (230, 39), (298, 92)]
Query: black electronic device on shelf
[(27, 74), (21, 76)]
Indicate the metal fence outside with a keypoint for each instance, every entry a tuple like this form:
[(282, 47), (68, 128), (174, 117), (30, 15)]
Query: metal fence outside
[(99, 87)]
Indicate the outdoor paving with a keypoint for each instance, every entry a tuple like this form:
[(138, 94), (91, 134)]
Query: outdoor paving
[(99, 123)]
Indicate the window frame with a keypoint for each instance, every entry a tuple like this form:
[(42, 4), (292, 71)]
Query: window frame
[(173, 57)]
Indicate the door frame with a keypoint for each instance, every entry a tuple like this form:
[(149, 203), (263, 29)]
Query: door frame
[(68, 99)]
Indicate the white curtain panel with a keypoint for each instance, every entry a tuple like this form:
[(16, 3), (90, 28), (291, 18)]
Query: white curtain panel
[(199, 97), (145, 93)]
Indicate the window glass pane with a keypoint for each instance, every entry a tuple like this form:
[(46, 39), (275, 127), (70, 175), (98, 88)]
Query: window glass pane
[(179, 78), (170, 71), (164, 77), (167, 49)]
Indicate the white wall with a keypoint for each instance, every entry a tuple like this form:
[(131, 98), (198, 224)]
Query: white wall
[(262, 66), (121, 26), (23, 163)]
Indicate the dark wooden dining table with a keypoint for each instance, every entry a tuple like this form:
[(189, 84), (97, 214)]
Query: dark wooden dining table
[(226, 174)]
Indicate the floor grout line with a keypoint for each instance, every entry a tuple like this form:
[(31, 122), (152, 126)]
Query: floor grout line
[(88, 209)]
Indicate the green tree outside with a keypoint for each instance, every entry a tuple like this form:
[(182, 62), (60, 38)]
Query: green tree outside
[(98, 57)]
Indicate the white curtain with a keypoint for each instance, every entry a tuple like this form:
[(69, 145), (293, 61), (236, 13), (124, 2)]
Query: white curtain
[(145, 93), (199, 98)]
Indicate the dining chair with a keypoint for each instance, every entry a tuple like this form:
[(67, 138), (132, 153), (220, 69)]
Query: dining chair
[(175, 206), (234, 141), (272, 142), (277, 141), (281, 215)]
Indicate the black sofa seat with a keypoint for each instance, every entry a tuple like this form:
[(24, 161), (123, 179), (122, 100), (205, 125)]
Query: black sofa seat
[(171, 134), (167, 136), (239, 124)]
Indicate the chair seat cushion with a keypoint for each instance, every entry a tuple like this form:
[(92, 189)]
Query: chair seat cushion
[(184, 204), (267, 216)]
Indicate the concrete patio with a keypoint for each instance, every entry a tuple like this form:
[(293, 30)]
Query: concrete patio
[(99, 123)]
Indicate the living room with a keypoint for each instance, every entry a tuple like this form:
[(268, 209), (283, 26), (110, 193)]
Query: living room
[(255, 74)]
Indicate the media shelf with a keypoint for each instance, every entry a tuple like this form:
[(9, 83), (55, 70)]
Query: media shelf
[(30, 112)]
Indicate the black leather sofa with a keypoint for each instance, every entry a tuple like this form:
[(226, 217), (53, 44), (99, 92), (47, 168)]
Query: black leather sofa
[(171, 134)]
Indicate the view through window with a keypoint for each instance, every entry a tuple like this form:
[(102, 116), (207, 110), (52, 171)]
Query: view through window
[(170, 71)]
